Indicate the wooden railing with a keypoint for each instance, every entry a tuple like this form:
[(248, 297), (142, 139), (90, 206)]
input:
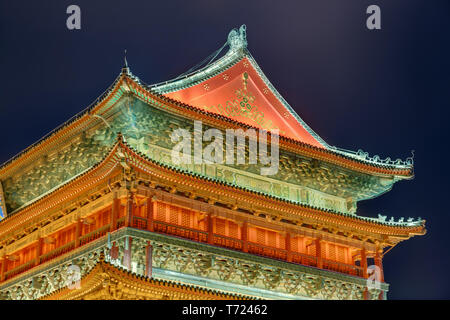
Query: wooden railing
[(139, 223), (57, 252), (304, 259), (266, 251), (196, 235), (179, 231), (255, 248), (94, 235), (227, 242), (342, 267), (20, 269)]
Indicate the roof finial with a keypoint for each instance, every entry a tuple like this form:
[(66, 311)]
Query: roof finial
[(125, 68), (125, 59)]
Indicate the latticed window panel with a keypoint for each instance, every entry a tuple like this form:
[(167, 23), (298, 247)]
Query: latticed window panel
[(341, 254), (281, 241), (220, 226), (311, 249), (185, 218), (260, 236), (272, 238), (332, 252), (233, 229), (323, 250), (295, 246), (173, 214), (160, 211)]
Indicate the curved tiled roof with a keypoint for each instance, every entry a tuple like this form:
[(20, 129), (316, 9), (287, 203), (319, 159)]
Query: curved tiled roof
[(404, 169), (109, 162), (234, 56)]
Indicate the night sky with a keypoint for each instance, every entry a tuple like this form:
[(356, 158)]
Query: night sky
[(384, 91)]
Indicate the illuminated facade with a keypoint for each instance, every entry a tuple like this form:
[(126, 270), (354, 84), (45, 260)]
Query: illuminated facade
[(102, 193)]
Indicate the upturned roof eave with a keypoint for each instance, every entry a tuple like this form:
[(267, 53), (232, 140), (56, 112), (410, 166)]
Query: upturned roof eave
[(76, 119), (123, 145)]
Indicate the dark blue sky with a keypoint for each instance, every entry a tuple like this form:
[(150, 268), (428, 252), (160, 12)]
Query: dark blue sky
[(386, 91)]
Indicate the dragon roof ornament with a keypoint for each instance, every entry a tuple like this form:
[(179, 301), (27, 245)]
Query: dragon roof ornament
[(364, 156), (237, 39), (410, 222)]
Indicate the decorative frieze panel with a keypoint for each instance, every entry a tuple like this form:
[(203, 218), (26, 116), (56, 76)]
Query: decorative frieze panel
[(241, 272), (51, 171), (50, 279), (247, 270), (257, 275), (254, 182)]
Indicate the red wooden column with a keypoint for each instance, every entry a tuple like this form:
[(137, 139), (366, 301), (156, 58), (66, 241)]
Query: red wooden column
[(210, 221), (114, 212), (364, 271), (3, 270), (148, 260), (288, 247), (78, 233), (319, 253), (379, 263), (244, 236), (150, 213), (129, 216), (38, 251), (364, 262)]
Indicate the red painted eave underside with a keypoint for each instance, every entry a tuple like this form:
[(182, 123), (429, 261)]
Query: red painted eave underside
[(222, 94)]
